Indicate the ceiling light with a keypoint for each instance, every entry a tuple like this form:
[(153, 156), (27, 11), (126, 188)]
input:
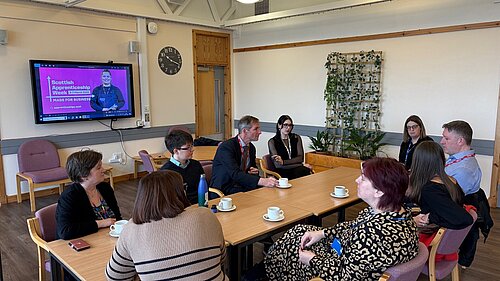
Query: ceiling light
[(248, 1)]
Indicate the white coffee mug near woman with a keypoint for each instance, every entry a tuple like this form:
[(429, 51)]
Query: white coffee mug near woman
[(340, 190), (283, 182), (117, 227), (225, 203), (274, 213)]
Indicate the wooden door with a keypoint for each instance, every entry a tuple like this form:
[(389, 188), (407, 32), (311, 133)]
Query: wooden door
[(213, 112), (495, 168), (205, 107)]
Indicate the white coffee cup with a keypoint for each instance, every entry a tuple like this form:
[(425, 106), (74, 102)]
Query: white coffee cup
[(340, 190), (274, 213), (283, 182), (118, 226), (225, 203)]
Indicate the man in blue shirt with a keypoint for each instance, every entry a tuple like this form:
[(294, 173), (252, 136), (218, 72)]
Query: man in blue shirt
[(462, 163), (463, 166)]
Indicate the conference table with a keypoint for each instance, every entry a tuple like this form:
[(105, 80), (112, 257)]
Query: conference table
[(308, 200), (200, 153), (88, 264), (312, 193), (246, 225)]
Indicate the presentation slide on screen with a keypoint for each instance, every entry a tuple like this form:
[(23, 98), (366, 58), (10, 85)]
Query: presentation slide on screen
[(69, 90)]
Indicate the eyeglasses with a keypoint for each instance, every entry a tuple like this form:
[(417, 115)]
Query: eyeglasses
[(409, 128), (190, 148), (288, 125)]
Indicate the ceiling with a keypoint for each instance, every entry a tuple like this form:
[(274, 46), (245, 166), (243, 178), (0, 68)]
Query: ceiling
[(212, 13)]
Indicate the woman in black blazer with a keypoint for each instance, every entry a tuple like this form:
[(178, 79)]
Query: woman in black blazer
[(413, 134), (89, 203)]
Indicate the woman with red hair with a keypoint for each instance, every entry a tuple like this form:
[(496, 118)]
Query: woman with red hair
[(382, 236)]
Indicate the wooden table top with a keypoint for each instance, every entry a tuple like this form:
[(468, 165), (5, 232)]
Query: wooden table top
[(246, 222), (88, 264), (312, 193), (200, 153)]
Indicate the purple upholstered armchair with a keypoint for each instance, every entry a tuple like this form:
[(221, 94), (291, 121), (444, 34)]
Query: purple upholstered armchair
[(39, 165), (42, 229), (148, 161), (408, 271), (446, 241)]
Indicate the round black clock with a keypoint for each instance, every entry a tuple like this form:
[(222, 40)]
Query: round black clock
[(170, 60)]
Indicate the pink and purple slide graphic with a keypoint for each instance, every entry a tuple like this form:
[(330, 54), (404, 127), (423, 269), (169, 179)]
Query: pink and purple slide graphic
[(68, 90)]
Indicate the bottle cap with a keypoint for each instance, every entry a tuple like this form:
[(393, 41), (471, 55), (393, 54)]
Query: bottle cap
[(214, 209)]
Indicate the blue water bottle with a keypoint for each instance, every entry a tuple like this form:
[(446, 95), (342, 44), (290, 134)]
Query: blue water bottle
[(203, 192)]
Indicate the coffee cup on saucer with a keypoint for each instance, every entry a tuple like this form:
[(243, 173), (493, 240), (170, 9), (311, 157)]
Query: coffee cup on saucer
[(283, 182), (340, 191), (225, 203), (274, 213), (117, 227)]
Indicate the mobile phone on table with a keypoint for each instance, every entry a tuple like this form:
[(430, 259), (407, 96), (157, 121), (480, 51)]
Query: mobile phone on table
[(79, 245)]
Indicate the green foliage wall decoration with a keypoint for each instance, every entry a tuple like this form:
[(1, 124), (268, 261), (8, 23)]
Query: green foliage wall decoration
[(353, 94)]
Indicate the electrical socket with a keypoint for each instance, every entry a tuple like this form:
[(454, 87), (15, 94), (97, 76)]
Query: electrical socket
[(116, 158)]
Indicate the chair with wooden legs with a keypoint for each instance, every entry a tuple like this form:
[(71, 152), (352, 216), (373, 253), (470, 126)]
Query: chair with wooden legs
[(408, 271), (149, 163), (267, 166), (39, 165), (42, 229), (446, 241), (207, 168)]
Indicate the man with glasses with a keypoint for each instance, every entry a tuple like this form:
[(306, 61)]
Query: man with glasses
[(234, 167), (180, 144)]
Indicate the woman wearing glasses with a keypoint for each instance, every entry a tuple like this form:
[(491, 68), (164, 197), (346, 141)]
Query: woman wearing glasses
[(286, 150), (413, 134)]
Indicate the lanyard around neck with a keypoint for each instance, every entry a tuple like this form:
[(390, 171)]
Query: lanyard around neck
[(460, 159), (288, 148)]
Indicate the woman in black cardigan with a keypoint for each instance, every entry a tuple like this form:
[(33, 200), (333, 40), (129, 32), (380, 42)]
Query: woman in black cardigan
[(413, 134), (89, 203), (286, 150)]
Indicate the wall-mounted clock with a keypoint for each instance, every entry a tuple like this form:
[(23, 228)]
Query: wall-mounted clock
[(170, 60)]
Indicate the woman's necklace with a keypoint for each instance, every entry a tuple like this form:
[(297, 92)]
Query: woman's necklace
[(94, 197)]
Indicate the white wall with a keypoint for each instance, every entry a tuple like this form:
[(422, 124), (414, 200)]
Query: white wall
[(439, 77), (52, 32)]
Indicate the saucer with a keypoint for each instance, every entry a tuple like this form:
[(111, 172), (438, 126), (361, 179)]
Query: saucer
[(265, 217), (226, 210), (112, 233), (285, 186), (338, 196)]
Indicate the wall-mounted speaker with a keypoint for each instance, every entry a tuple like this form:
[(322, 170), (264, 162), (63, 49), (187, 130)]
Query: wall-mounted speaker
[(3, 37), (133, 47)]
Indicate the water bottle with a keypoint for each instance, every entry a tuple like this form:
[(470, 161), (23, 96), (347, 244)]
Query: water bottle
[(203, 192)]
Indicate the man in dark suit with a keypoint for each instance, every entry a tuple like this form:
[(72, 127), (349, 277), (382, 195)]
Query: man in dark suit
[(234, 169)]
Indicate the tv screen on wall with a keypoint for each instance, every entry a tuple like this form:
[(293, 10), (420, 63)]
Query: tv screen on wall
[(67, 91)]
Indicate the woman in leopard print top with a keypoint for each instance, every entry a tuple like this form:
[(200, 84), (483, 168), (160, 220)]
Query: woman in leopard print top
[(383, 235)]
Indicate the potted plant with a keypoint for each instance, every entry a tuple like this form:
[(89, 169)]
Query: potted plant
[(322, 142), (365, 144)]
